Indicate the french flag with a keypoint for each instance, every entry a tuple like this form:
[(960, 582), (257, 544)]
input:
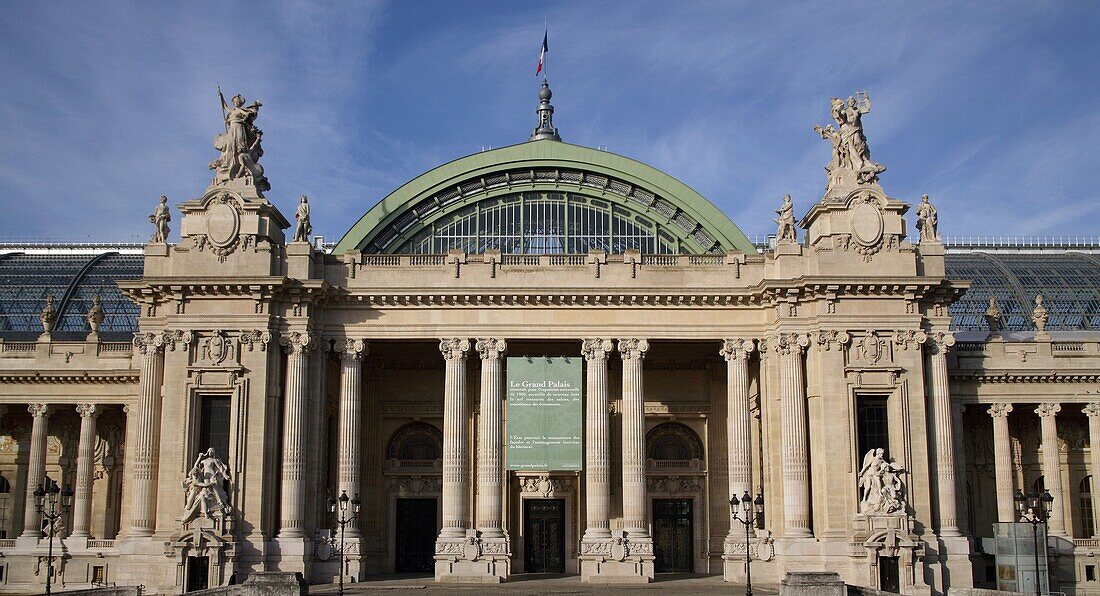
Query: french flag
[(542, 55)]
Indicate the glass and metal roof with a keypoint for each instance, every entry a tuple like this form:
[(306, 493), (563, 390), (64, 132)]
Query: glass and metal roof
[(73, 277)]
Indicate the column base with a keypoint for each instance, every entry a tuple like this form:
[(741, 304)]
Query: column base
[(295, 554), (617, 561), (472, 560)]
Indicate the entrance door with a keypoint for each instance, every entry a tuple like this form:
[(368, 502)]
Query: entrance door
[(416, 533), (198, 573), (544, 535), (672, 535), (888, 574)]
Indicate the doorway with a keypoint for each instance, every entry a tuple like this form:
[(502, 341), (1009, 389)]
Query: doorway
[(544, 535), (672, 541), (416, 533), (198, 573), (888, 575)]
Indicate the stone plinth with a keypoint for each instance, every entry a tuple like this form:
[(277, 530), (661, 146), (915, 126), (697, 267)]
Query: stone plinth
[(617, 561), (812, 583), (472, 560)]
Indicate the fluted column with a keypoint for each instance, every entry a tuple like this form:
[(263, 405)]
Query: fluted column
[(1093, 412), (455, 457), (150, 346), (738, 422), (36, 468), (796, 457), (1052, 467), (633, 351), (944, 436), (1002, 461), (297, 346), (597, 449), (490, 473), (351, 423), (85, 453)]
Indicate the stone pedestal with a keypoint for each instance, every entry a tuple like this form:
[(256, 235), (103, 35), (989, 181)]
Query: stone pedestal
[(813, 583), (617, 561), (471, 560)]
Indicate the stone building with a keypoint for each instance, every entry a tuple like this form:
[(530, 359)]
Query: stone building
[(884, 393)]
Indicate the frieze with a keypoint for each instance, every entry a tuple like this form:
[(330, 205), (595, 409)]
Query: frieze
[(545, 485), (406, 409), (674, 484), (415, 485)]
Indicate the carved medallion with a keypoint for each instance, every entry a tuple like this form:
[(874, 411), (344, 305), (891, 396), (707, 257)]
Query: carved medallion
[(867, 223)]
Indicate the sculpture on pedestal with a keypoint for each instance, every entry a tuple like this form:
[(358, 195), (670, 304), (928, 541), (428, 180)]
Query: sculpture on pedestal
[(48, 316), (927, 221), (851, 163), (204, 493), (880, 484), (1039, 315), (160, 218), (240, 144), (993, 317), (786, 231), (302, 229), (95, 315)]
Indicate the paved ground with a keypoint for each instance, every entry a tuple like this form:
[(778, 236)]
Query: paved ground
[(529, 584)]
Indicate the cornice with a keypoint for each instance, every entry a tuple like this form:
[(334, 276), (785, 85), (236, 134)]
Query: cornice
[(1026, 376), (51, 377)]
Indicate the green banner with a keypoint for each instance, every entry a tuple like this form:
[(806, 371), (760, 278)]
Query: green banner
[(545, 413)]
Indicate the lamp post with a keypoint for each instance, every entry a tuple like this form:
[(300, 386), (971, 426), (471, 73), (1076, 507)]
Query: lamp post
[(747, 511), (343, 519), (46, 501), (1039, 507)]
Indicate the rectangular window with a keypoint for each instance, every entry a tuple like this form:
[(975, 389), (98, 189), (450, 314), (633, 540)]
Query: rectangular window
[(1090, 573), (871, 424), (214, 426), (99, 574)]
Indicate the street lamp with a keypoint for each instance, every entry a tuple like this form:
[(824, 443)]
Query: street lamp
[(1039, 505), (46, 501), (747, 511), (343, 519)]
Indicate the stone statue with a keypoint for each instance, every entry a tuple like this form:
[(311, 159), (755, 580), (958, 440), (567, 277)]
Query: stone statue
[(927, 221), (160, 218), (302, 229), (851, 163), (880, 484), (1039, 315), (48, 316), (95, 315), (993, 316), (204, 494), (786, 232), (240, 144)]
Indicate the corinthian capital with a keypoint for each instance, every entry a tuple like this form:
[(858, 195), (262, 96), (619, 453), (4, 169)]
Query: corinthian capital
[(791, 343), (633, 348), (296, 342), (146, 343), (39, 410), (1045, 410), (736, 348), (454, 347), (942, 342), (86, 410), (596, 348), (1092, 409), (999, 410), (354, 349), (490, 348)]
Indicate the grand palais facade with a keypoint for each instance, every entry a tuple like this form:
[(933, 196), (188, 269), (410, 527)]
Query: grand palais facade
[(547, 358)]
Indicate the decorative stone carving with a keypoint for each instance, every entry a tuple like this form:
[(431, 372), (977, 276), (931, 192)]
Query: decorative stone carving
[(545, 485), (881, 486), (1039, 315), (993, 317), (216, 348), (786, 232), (787, 343), (240, 145), (204, 493), (871, 348), (827, 340), (596, 348), (911, 338), (302, 227), (171, 339), (454, 347), (674, 484), (927, 221), (48, 316), (851, 164), (296, 341), (255, 339), (491, 347), (633, 348), (160, 218), (415, 485), (223, 226), (95, 314)]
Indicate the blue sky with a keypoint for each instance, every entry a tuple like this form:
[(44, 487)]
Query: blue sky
[(992, 108)]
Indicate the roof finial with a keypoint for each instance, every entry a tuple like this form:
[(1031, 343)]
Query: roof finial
[(545, 129)]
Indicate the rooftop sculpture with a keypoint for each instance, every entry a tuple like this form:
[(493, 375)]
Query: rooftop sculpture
[(240, 144), (851, 164)]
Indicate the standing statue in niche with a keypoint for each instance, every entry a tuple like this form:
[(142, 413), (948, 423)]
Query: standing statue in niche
[(160, 218), (204, 494), (851, 161), (786, 232), (302, 229), (240, 145), (880, 484), (927, 221)]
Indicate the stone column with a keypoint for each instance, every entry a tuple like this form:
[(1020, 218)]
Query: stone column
[(36, 469), (490, 474), (597, 448), (85, 453), (297, 346), (738, 424), (351, 418), (633, 351), (796, 464), (1052, 467), (944, 436), (1002, 462), (455, 460), (1093, 412), (143, 503)]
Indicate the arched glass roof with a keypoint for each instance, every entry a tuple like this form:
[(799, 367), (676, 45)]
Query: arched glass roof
[(73, 280), (544, 197)]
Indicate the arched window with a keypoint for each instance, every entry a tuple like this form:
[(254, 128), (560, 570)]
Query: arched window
[(5, 504), (5, 486), (417, 443), (1088, 515), (673, 445)]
